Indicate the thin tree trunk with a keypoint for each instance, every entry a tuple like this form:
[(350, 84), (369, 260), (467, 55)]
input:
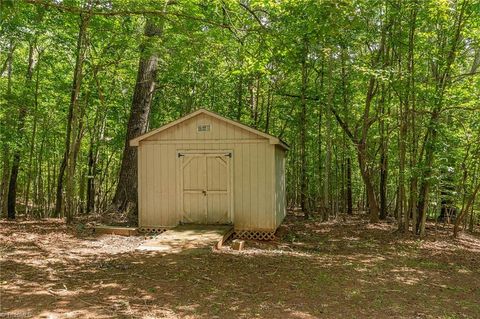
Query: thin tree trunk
[(5, 178), (269, 109), (349, 187), (363, 155), (403, 218), (77, 129), (32, 140), (327, 198), (91, 180), (5, 147), (383, 160), (303, 136), (75, 93), (465, 210), (22, 114), (442, 81)]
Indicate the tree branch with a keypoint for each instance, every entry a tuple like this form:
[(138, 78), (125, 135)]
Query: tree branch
[(247, 8), (342, 123), (76, 10)]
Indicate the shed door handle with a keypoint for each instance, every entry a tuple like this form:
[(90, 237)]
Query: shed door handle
[(204, 193)]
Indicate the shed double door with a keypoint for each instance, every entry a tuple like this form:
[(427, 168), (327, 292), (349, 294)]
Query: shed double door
[(205, 187)]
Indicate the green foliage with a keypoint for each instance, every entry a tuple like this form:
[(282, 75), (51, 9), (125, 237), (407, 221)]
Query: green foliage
[(244, 60)]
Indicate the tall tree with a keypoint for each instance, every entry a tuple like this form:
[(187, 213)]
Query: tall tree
[(22, 114), (441, 70), (125, 198), (80, 53), (5, 148)]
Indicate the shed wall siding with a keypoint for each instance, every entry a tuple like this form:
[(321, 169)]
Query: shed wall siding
[(253, 173), (280, 197)]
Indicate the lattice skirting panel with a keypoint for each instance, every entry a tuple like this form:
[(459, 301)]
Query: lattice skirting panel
[(152, 230), (254, 235)]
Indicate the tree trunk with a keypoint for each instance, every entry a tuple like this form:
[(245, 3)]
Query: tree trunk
[(22, 114), (76, 85), (442, 80), (369, 187), (383, 185), (92, 160), (465, 210), (126, 193), (303, 136), (425, 183), (269, 109), (5, 147), (327, 179), (383, 159), (404, 213), (349, 187), (77, 130), (34, 135), (363, 155), (5, 178)]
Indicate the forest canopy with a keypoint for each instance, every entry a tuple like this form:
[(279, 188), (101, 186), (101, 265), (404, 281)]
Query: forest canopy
[(379, 100)]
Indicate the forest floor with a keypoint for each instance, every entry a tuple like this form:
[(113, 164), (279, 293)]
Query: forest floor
[(340, 269)]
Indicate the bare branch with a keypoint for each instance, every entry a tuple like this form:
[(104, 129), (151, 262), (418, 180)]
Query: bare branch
[(247, 8)]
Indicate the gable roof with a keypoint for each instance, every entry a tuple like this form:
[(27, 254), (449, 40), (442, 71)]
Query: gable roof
[(272, 139)]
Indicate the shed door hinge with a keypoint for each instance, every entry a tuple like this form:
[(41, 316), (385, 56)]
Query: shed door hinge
[(229, 155), (180, 154)]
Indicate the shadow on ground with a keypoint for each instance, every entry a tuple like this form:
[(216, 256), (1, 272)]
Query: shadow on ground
[(316, 270)]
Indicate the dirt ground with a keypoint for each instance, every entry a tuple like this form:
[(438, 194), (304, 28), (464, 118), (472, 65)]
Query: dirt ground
[(344, 269)]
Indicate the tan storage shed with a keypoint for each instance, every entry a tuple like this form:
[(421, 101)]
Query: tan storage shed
[(206, 169)]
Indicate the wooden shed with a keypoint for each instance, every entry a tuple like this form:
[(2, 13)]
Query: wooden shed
[(207, 169)]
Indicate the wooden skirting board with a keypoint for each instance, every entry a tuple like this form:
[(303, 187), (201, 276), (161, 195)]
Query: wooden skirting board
[(153, 230), (254, 235), (115, 230)]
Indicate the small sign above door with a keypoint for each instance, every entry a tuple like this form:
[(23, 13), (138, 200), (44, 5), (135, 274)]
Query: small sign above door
[(203, 128)]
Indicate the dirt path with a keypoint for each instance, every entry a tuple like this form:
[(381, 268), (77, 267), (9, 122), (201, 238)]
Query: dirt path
[(319, 270)]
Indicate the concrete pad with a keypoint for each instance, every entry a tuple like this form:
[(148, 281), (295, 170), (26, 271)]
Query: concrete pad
[(186, 237)]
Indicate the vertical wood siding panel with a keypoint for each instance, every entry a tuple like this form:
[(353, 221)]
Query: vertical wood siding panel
[(262, 209), (246, 184), (268, 186), (222, 130), (146, 193), (170, 152), (141, 181), (238, 185), (150, 184), (155, 188), (229, 132), (162, 194), (254, 160), (164, 168)]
